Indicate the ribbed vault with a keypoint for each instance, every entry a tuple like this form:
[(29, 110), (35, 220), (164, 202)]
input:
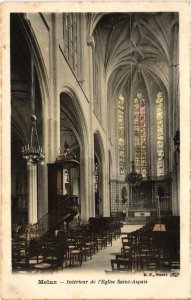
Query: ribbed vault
[(21, 87), (137, 49)]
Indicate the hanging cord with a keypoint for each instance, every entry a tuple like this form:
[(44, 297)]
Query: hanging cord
[(32, 86), (34, 141), (131, 58)]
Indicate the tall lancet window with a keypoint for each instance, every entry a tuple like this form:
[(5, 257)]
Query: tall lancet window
[(96, 176), (160, 133), (71, 36), (140, 139), (121, 133)]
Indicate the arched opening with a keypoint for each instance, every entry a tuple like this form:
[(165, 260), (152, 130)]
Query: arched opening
[(97, 182), (22, 107), (115, 134), (72, 131), (98, 176)]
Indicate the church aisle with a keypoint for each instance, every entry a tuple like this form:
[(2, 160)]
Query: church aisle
[(100, 262)]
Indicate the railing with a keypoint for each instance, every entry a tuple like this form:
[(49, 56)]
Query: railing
[(38, 229), (68, 202), (66, 211), (68, 208)]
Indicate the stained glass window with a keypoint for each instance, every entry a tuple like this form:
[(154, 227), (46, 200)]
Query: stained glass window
[(160, 134), (96, 176), (66, 34), (121, 133), (71, 29), (140, 140)]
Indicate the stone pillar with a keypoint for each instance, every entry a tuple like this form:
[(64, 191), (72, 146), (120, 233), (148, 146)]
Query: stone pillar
[(88, 72), (92, 184), (43, 170), (32, 188), (176, 187), (84, 187), (74, 178), (175, 159), (105, 192), (54, 104)]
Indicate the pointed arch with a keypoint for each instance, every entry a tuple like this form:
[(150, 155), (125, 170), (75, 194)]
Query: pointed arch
[(37, 55)]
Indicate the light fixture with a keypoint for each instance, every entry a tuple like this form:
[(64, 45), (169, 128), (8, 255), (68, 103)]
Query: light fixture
[(33, 152), (159, 227)]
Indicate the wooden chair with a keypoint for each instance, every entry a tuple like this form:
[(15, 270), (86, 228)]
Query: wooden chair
[(76, 252), (92, 243), (108, 236), (20, 256), (101, 241), (53, 256), (121, 263)]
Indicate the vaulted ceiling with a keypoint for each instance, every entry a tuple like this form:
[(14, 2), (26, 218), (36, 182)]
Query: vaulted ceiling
[(21, 86), (137, 49), (134, 50)]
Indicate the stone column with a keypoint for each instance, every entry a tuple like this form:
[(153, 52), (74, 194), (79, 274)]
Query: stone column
[(43, 170), (54, 104), (175, 159), (32, 188), (88, 71), (74, 178), (84, 200)]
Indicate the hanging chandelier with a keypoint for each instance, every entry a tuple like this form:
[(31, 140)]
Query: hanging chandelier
[(134, 178), (33, 152)]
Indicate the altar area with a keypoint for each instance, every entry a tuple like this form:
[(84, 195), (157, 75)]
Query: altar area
[(143, 201), (142, 212)]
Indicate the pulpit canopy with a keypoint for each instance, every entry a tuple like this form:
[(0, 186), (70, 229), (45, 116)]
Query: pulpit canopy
[(67, 159)]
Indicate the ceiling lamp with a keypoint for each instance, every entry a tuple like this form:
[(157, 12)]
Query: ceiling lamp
[(33, 152)]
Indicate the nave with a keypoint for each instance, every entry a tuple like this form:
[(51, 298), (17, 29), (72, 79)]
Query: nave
[(95, 138), (101, 261), (115, 248)]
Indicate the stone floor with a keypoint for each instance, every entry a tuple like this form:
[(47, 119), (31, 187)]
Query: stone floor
[(100, 262)]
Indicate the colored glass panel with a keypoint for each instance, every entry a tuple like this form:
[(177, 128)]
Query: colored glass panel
[(160, 133), (140, 135), (121, 133), (71, 31), (96, 177)]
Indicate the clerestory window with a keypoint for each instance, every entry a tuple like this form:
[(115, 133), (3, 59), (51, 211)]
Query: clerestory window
[(121, 133), (140, 136), (160, 134)]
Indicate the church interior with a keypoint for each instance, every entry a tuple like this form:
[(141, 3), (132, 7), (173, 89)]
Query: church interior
[(95, 141)]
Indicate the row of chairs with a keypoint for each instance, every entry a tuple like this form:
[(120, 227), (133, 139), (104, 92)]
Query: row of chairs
[(64, 248), (146, 250)]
